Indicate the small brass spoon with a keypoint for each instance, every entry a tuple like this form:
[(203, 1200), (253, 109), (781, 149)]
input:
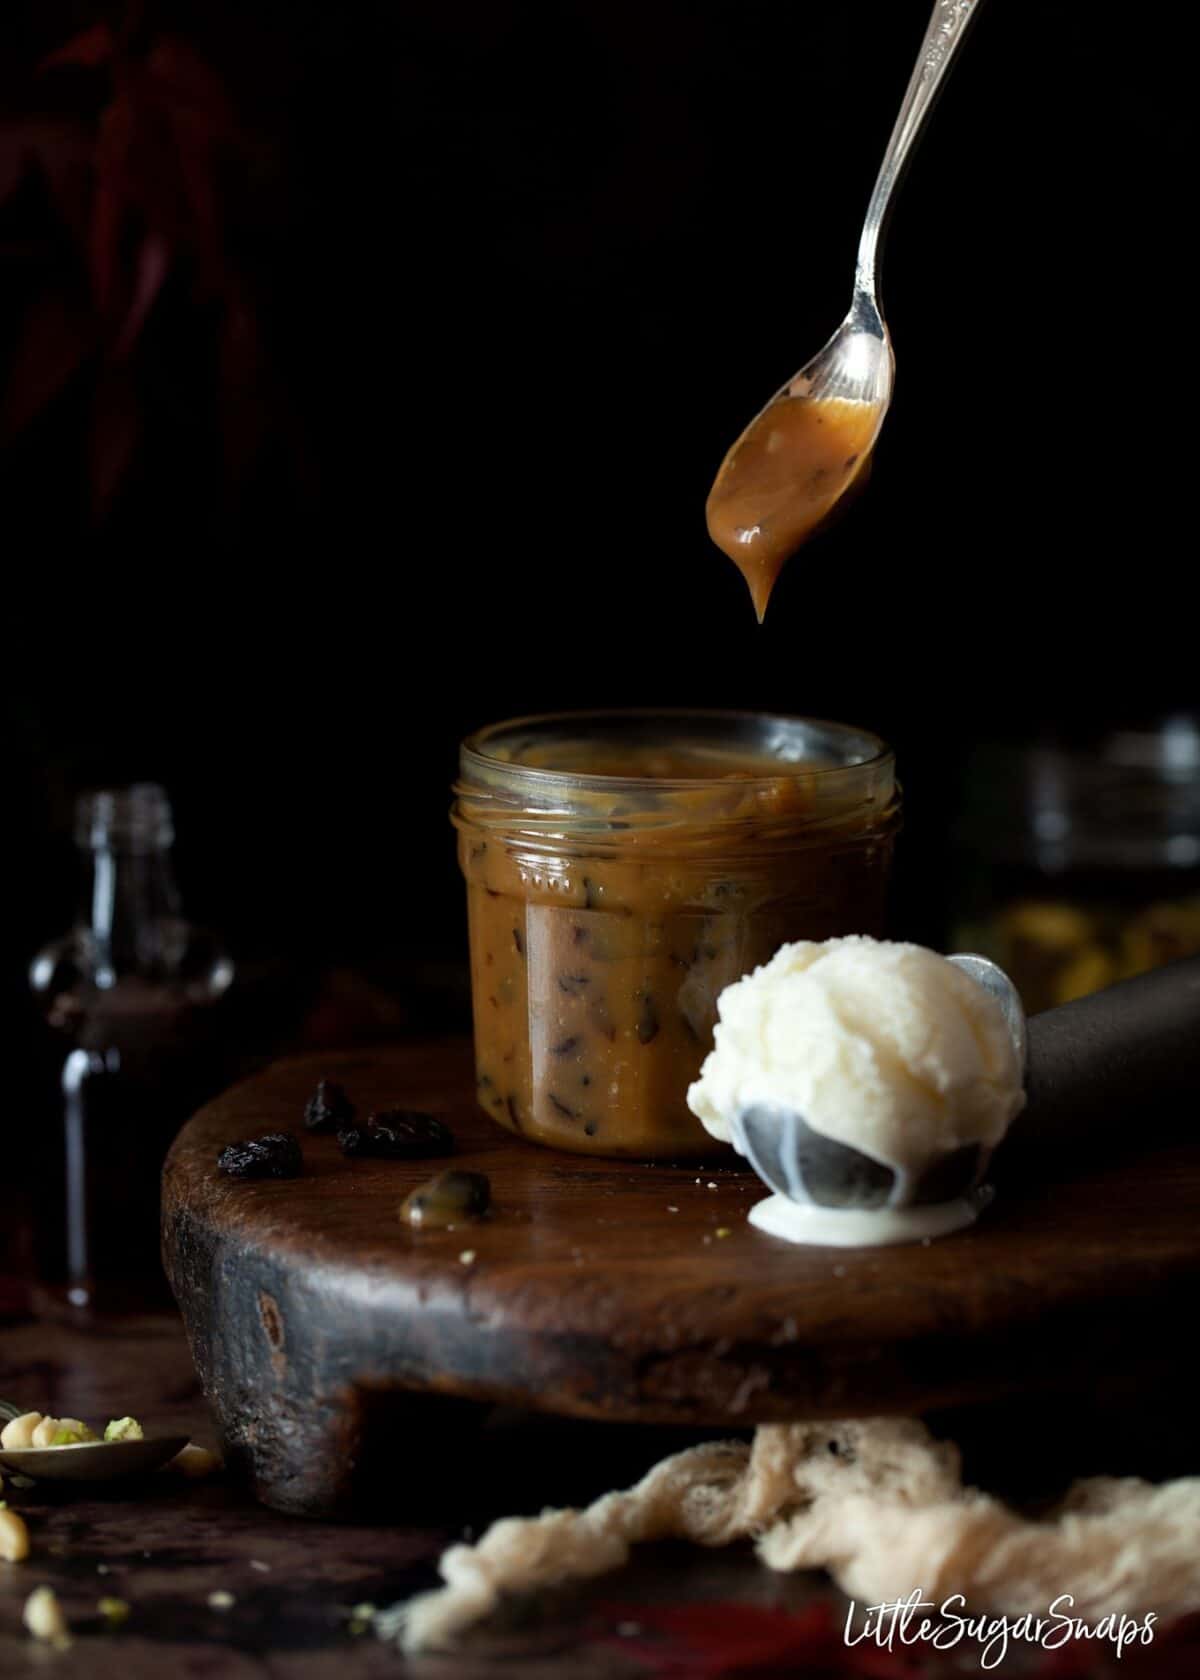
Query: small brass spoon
[(87, 1461)]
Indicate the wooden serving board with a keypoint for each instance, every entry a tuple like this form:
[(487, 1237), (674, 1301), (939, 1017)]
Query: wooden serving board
[(626, 1292)]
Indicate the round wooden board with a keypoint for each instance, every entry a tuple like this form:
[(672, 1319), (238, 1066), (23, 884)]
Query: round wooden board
[(621, 1291)]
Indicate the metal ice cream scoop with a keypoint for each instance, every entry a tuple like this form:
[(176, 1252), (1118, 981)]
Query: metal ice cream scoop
[(809, 1168), (1116, 1071)]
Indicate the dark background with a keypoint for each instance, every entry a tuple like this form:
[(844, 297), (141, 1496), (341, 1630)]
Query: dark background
[(365, 368)]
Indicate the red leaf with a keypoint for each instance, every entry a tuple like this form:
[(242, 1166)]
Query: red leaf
[(150, 270), (52, 155), (56, 339), (190, 90), (88, 50), (112, 151)]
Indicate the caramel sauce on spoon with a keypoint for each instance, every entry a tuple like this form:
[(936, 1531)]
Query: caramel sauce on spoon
[(783, 478)]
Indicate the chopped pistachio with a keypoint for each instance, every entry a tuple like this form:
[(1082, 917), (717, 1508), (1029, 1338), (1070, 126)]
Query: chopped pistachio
[(61, 1432), (361, 1618), (123, 1429), (114, 1611)]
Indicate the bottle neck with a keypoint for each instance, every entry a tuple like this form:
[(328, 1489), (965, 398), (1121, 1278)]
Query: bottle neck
[(129, 903)]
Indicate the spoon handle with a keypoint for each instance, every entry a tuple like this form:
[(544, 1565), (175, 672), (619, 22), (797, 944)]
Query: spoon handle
[(946, 29), (1120, 1068)]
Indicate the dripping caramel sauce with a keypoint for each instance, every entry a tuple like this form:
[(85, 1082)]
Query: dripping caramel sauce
[(783, 478)]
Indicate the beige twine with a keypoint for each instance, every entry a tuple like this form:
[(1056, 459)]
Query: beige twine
[(878, 1503)]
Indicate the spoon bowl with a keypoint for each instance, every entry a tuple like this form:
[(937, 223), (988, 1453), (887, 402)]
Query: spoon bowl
[(93, 1461), (798, 458), (86, 1461)]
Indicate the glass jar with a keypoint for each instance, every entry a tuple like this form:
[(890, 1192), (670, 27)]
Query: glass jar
[(622, 868), (1079, 859)]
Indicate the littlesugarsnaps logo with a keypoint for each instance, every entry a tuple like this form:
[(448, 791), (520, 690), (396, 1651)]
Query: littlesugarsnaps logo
[(917, 1620)]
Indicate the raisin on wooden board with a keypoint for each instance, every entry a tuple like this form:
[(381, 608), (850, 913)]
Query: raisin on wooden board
[(274, 1155), (398, 1134)]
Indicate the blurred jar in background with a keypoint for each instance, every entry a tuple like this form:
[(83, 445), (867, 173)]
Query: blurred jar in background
[(128, 994), (1079, 861)]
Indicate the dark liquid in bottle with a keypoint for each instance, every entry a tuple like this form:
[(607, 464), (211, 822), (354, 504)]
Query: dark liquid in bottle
[(124, 1090)]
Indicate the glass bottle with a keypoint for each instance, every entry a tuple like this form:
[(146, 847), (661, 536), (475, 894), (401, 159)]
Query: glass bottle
[(128, 993)]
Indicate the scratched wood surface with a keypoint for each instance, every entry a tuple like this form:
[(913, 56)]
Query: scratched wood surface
[(676, 1613), (324, 1330)]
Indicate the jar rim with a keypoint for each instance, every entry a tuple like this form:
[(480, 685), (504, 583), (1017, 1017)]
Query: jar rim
[(875, 753)]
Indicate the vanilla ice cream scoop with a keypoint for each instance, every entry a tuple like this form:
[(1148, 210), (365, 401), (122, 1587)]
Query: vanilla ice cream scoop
[(868, 1083)]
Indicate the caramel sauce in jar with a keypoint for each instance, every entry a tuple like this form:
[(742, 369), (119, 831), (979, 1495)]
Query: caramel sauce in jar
[(783, 478), (622, 868)]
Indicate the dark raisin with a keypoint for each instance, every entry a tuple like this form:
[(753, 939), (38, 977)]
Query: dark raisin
[(518, 942), (590, 1129), (586, 1079), (574, 984), (513, 1115), (647, 1020), (561, 1107), (329, 1108), (447, 1198), (398, 1134), (578, 934), (274, 1155), (565, 1046), (850, 460), (591, 894)]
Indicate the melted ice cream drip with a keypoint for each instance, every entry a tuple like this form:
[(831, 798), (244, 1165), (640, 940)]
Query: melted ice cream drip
[(805, 1222)]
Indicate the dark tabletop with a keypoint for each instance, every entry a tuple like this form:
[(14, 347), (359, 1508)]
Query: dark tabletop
[(166, 1545)]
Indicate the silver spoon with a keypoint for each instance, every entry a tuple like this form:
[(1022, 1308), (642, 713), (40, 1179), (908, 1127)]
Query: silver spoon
[(88, 1461), (783, 476)]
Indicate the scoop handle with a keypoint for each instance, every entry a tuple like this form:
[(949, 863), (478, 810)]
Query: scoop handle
[(1121, 1066)]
